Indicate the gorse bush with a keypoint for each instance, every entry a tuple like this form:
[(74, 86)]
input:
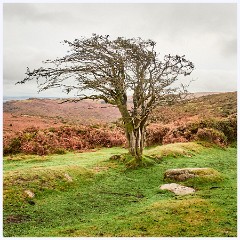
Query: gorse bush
[(211, 135)]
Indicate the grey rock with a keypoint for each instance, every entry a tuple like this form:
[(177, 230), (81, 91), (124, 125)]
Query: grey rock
[(177, 189)]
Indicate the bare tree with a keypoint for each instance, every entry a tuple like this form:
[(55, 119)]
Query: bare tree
[(113, 69)]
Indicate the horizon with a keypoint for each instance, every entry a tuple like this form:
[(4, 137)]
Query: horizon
[(24, 97)]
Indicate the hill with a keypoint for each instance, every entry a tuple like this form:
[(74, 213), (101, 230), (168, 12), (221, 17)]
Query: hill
[(55, 186), (51, 111), (217, 105), (45, 126)]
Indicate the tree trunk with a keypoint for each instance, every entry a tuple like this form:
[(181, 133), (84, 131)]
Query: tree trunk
[(135, 139), (135, 136)]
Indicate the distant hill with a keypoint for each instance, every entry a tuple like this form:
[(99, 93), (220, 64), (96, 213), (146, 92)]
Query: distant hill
[(44, 113), (83, 112), (217, 105)]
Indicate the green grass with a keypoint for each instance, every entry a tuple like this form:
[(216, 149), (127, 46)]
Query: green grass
[(107, 199)]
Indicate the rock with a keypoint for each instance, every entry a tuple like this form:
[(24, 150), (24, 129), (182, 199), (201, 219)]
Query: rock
[(177, 189), (115, 157), (68, 178), (183, 174), (29, 193)]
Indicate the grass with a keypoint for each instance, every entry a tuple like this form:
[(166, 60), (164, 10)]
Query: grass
[(107, 199), (174, 150)]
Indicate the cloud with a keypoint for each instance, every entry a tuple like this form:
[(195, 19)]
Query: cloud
[(205, 33), (214, 80)]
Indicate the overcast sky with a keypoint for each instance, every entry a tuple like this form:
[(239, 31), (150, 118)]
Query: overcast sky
[(206, 33)]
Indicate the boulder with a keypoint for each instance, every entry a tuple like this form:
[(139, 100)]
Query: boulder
[(183, 174), (177, 189)]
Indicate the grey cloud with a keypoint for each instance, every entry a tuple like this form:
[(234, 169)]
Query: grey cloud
[(205, 33), (229, 48), (28, 13)]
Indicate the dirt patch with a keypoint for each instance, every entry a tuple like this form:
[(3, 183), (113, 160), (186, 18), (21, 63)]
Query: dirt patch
[(16, 219), (67, 177), (29, 193)]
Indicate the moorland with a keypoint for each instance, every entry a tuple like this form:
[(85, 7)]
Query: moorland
[(61, 179)]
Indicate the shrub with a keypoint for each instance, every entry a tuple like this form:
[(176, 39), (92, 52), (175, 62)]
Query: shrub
[(13, 147), (223, 129), (59, 151), (212, 135), (155, 134), (42, 142)]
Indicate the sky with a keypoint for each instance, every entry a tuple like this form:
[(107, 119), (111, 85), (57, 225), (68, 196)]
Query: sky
[(206, 33)]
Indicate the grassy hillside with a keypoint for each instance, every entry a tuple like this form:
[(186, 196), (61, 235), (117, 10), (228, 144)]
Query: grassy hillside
[(86, 194)]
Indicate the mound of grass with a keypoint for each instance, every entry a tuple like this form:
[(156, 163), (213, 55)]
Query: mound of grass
[(174, 150), (41, 181), (131, 162)]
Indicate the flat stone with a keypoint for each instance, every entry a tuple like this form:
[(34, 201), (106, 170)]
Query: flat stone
[(177, 189), (183, 174)]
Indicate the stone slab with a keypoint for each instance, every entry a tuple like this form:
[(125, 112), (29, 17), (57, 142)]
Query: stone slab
[(177, 189)]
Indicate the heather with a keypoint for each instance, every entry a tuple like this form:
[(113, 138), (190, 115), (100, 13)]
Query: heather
[(61, 139), (221, 131)]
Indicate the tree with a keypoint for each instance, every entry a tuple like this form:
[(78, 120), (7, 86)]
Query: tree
[(113, 69)]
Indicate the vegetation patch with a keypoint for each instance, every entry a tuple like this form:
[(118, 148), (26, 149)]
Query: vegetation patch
[(58, 140), (221, 131), (20, 186), (174, 150)]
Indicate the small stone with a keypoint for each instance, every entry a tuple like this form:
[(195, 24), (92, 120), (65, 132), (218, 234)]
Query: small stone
[(29, 193), (68, 178), (177, 189)]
